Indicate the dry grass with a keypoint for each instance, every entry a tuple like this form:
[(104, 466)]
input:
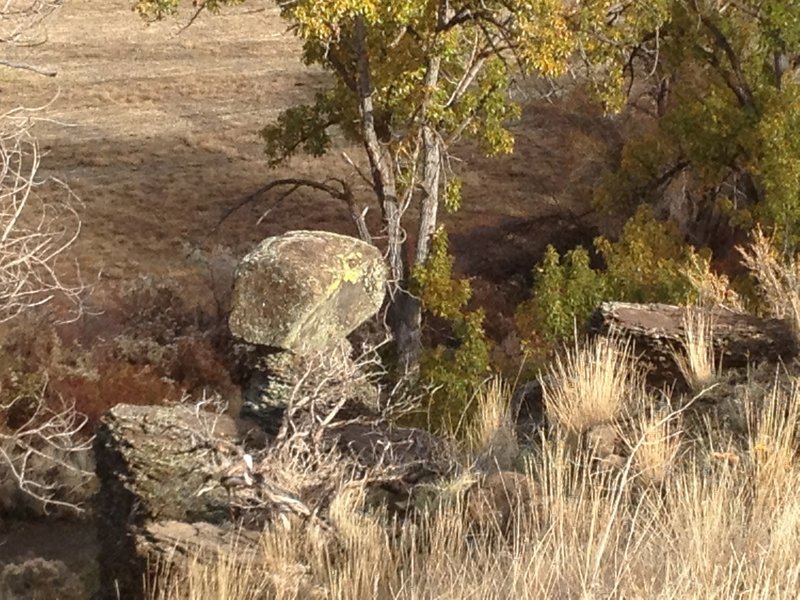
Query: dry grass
[(591, 385), (658, 437), (672, 522), (696, 361), (778, 278), (712, 288), (490, 435)]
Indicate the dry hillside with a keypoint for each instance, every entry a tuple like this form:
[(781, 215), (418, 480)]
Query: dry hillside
[(158, 134)]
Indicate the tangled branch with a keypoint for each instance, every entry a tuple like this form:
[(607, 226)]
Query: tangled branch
[(21, 20), (46, 457), (35, 230)]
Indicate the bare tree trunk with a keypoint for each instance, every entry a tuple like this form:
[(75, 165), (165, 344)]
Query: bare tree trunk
[(403, 315), (430, 200)]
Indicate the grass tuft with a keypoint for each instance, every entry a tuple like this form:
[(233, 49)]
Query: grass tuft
[(696, 359), (591, 385)]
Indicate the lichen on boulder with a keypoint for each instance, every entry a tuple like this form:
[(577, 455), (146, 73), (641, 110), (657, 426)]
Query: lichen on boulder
[(304, 291)]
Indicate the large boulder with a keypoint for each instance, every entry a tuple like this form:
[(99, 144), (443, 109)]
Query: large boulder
[(305, 291)]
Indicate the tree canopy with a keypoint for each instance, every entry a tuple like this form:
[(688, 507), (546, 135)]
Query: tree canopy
[(724, 80)]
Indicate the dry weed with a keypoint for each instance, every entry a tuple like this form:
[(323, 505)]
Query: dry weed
[(778, 278), (713, 289), (696, 361), (656, 436), (489, 435), (591, 385)]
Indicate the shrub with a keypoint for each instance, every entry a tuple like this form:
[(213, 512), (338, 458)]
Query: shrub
[(454, 372), (649, 263), (40, 579), (566, 291)]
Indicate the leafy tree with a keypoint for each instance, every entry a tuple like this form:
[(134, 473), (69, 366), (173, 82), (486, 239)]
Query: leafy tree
[(725, 102), (410, 79)]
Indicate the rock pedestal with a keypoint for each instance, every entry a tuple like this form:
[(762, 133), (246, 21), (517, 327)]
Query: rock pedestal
[(297, 296), (304, 291)]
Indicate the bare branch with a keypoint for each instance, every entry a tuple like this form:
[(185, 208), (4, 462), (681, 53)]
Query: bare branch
[(21, 25), (21, 20), (47, 457), (343, 193), (201, 6), (36, 230), (26, 67)]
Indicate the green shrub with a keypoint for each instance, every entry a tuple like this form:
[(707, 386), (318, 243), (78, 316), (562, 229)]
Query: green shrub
[(453, 372), (649, 263)]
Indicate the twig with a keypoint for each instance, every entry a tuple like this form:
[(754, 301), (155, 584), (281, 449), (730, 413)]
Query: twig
[(26, 67)]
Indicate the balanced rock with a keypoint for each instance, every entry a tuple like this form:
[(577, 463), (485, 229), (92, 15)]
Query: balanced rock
[(305, 291)]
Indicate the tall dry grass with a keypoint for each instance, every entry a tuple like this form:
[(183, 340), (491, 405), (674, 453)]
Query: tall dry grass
[(590, 385), (696, 359), (701, 528), (778, 278)]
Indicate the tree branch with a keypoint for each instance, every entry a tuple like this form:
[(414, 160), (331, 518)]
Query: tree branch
[(26, 67), (344, 194), (736, 81)]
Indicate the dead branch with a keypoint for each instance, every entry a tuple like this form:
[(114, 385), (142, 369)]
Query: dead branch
[(21, 24), (38, 222), (21, 20), (343, 192), (47, 455), (26, 67)]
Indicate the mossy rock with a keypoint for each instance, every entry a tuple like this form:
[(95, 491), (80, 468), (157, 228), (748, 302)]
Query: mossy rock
[(306, 290)]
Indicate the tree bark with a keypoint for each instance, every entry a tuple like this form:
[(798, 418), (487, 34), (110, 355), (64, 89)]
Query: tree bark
[(404, 317), (430, 194)]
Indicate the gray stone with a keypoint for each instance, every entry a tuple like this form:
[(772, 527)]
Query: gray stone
[(306, 290)]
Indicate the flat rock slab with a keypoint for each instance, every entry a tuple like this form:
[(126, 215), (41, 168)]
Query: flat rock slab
[(658, 330), (305, 291), (171, 543)]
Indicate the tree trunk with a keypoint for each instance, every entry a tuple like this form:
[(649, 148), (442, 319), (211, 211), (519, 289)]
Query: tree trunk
[(404, 317), (404, 310), (432, 163)]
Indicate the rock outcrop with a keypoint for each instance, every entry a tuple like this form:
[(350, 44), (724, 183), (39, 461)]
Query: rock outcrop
[(657, 331), (304, 291), (151, 462), (163, 471), (160, 495)]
